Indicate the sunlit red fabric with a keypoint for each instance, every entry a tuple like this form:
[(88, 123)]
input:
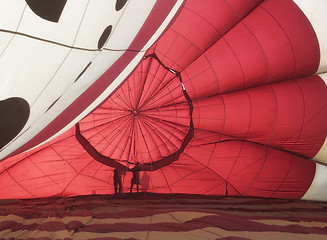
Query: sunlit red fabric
[(258, 110)]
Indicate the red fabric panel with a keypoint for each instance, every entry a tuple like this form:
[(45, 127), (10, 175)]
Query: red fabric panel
[(247, 169), (314, 98), (300, 34), (145, 120), (184, 41), (264, 47), (277, 115)]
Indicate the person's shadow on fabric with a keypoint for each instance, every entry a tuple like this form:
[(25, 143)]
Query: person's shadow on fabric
[(145, 181)]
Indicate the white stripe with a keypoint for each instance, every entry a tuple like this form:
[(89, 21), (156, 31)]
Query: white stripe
[(316, 13), (324, 77), (318, 188), (322, 154)]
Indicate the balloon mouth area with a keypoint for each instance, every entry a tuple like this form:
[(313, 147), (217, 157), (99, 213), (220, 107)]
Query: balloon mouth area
[(149, 119)]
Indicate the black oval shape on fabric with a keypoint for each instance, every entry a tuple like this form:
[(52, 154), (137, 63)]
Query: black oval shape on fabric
[(104, 37), (120, 4), (14, 113), (49, 10)]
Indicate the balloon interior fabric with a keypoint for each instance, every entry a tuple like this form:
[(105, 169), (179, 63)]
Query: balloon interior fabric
[(231, 100)]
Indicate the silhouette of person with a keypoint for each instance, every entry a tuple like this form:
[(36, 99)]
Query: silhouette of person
[(117, 180), (136, 176)]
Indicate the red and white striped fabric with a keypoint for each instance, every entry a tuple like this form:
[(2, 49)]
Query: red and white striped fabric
[(153, 217)]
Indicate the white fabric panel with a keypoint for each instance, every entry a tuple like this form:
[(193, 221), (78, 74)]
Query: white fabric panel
[(69, 91), (94, 71), (316, 13), (63, 32), (324, 77), (5, 40), (98, 16), (97, 68), (134, 15), (318, 188), (61, 82), (27, 66), (322, 154), (11, 13)]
